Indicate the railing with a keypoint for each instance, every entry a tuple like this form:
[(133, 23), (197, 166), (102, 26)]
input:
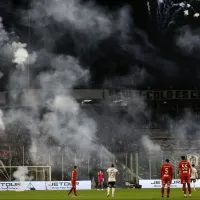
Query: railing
[(132, 166)]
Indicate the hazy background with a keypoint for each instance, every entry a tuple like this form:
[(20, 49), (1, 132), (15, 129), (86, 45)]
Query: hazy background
[(55, 46)]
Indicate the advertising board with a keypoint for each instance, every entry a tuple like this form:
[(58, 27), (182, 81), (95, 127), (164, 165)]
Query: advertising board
[(157, 183), (44, 185)]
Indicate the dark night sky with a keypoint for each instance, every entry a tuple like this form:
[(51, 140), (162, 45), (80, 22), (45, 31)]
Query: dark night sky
[(117, 62)]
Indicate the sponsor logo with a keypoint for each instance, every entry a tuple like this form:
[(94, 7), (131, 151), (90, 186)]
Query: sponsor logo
[(62, 184), (10, 184), (158, 182), (42, 185)]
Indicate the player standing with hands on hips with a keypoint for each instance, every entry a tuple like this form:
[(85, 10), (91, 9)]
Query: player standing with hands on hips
[(73, 181), (112, 174), (194, 176), (166, 174), (185, 174)]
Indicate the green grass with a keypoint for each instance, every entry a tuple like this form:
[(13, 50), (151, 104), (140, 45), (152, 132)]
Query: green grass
[(120, 194)]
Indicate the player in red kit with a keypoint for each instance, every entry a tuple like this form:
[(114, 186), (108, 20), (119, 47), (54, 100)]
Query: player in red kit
[(185, 173), (166, 174), (100, 179), (73, 181)]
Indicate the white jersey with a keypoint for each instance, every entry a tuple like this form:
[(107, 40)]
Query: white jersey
[(194, 174), (112, 172)]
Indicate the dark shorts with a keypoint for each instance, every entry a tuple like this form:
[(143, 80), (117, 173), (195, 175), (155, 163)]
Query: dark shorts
[(193, 180), (111, 184)]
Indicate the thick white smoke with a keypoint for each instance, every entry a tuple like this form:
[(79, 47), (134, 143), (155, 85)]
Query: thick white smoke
[(14, 50), (21, 55), (64, 121), (22, 174)]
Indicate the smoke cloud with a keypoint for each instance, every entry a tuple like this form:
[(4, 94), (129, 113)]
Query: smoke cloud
[(55, 123), (189, 41), (2, 126), (63, 128), (21, 55), (22, 174)]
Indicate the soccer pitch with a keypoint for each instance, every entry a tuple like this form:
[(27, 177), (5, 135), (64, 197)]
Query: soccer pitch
[(121, 194)]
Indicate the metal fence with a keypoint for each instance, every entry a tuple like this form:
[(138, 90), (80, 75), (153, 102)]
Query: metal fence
[(132, 166)]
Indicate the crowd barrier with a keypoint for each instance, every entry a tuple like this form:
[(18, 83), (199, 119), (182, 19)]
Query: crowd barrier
[(44, 185), (176, 183)]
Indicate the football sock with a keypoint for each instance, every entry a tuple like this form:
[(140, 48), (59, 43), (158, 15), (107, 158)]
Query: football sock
[(70, 191), (194, 186), (113, 191), (184, 188), (162, 190), (189, 188), (108, 191), (168, 191)]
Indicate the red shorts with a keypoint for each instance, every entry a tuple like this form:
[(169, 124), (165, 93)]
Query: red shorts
[(100, 180), (185, 179), (166, 180), (73, 184)]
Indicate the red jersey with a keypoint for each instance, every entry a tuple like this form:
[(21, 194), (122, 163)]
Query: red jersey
[(74, 173), (184, 168), (100, 175), (166, 170)]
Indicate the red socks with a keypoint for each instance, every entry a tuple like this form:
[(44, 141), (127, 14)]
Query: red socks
[(162, 190), (72, 189), (168, 191), (189, 188), (184, 188)]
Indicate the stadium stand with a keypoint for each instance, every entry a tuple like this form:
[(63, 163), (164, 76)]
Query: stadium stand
[(120, 133)]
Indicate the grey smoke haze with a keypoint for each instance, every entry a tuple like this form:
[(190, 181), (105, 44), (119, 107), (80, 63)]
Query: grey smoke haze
[(189, 41), (88, 18), (135, 78), (3, 34), (86, 23), (185, 127), (2, 126), (151, 146), (65, 121)]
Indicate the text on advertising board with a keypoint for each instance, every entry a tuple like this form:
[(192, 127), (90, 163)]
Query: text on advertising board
[(44, 185), (157, 95), (156, 183)]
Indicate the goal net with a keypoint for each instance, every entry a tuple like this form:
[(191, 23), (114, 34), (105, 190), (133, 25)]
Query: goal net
[(25, 176)]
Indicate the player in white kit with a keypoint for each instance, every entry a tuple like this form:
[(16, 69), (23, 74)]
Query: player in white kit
[(194, 176), (112, 174)]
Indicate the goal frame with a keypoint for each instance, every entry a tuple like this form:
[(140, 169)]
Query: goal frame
[(33, 166)]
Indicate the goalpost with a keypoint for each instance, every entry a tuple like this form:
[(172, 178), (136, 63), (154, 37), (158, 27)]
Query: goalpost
[(25, 173)]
